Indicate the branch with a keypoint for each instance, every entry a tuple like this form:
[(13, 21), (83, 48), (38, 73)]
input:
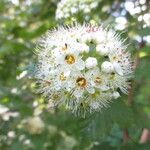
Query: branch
[(125, 135), (145, 137)]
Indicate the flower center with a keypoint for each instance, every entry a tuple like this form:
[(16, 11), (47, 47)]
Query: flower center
[(70, 59), (98, 80), (62, 77), (81, 81)]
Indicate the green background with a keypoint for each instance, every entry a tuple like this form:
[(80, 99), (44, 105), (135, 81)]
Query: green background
[(117, 128)]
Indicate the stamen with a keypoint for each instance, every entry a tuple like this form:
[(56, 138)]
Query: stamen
[(81, 81), (62, 77), (98, 80), (70, 59), (65, 47)]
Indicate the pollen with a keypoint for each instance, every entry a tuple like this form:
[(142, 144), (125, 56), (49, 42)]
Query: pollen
[(81, 81), (70, 59)]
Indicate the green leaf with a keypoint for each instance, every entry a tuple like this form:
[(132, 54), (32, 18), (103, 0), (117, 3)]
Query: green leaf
[(118, 113)]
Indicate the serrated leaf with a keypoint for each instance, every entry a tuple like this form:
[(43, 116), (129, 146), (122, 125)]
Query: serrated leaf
[(118, 113)]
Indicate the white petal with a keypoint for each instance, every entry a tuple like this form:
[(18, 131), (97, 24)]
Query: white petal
[(94, 105), (100, 37), (116, 95), (83, 48), (104, 87), (118, 68), (78, 93), (90, 89), (86, 38), (74, 10), (71, 84), (80, 64), (66, 73)]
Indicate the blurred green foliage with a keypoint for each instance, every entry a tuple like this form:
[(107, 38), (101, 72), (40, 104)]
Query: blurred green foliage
[(21, 24)]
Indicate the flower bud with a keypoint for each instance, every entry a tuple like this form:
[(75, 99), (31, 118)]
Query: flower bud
[(91, 62), (86, 38), (116, 95), (99, 38), (34, 125), (102, 49), (107, 67)]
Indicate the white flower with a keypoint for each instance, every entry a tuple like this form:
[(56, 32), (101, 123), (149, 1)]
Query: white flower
[(34, 125), (73, 71), (68, 57), (98, 79), (66, 8), (82, 84), (91, 62)]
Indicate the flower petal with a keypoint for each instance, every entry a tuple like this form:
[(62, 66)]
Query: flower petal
[(90, 89), (118, 68), (80, 64), (78, 92), (104, 88)]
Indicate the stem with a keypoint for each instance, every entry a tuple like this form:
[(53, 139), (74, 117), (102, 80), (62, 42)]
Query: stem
[(125, 135), (145, 137)]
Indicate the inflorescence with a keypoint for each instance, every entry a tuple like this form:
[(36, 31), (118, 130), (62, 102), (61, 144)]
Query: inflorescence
[(83, 67)]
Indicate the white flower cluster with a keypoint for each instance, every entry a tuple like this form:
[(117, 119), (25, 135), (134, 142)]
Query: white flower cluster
[(83, 67), (34, 125), (67, 8)]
